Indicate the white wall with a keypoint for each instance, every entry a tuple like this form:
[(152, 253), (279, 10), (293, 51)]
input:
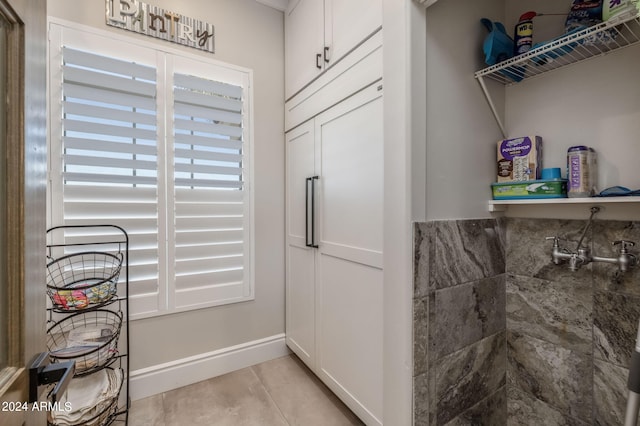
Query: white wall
[(595, 104), (461, 132), (250, 35)]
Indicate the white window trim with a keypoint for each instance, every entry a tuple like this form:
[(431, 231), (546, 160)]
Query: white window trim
[(166, 295)]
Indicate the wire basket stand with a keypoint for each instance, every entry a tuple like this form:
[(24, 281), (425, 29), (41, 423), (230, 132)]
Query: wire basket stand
[(88, 310)]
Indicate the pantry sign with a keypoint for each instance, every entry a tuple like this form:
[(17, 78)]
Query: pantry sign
[(140, 17)]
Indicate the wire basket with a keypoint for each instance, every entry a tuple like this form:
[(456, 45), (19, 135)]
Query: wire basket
[(81, 280), (88, 338), (107, 410)]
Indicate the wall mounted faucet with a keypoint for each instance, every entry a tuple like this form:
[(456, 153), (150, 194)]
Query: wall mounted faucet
[(582, 255)]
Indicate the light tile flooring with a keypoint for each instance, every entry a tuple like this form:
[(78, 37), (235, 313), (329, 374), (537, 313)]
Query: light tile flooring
[(279, 392)]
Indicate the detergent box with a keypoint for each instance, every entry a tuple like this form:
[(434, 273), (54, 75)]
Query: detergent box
[(519, 159)]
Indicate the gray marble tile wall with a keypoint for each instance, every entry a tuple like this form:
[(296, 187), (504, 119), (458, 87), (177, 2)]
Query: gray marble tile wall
[(504, 336), (459, 323), (549, 323), (569, 334)]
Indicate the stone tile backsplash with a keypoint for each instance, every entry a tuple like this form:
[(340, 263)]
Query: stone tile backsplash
[(551, 373), (558, 312), (459, 323), (615, 326), (466, 313), (528, 253), (504, 336), (604, 233), (468, 376), (450, 253)]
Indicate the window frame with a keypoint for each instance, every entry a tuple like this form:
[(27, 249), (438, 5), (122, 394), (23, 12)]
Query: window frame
[(63, 33), (12, 218)]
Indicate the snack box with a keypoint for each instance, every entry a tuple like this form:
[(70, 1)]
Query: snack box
[(519, 159), (552, 188)]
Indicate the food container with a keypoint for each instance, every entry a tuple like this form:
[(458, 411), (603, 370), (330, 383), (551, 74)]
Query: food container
[(581, 171)]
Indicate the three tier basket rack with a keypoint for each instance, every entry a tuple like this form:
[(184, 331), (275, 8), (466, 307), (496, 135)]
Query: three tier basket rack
[(88, 321)]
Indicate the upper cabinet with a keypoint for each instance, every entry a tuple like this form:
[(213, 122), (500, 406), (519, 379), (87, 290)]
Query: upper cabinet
[(320, 32), (304, 43)]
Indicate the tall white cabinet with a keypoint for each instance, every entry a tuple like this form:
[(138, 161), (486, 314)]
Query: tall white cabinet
[(334, 148), (334, 249)]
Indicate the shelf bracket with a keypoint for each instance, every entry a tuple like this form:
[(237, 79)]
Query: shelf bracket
[(497, 208), (487, 95)]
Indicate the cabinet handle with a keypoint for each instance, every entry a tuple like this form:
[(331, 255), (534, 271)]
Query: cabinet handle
[(311, 243), (326, 54), (306, 213), (318, 56), (313, 211)]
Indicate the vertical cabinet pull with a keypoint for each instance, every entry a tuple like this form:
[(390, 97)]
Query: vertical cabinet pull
[(306, 213), (318, 56), (310, 205), (326, 54), (313, 211)]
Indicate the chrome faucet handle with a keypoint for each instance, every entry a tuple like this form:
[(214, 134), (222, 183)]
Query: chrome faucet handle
[(558, 255), (623, 245), (555, 239), (625, 259)]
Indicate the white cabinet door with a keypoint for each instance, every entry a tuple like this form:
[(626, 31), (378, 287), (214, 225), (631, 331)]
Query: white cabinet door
[(300, 273), (304, 40), (320, 32), (349, 277), (347, 23)]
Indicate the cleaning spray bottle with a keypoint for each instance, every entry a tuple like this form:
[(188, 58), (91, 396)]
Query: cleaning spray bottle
[(523, 39)]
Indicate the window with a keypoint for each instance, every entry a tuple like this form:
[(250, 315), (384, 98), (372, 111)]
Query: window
[(158, 143)]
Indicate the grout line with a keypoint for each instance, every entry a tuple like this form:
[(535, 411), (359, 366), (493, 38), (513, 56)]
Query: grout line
[(164, 410), (269, 395)]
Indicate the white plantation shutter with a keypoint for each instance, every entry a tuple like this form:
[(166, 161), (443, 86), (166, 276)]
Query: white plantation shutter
[(108, 120), (110, 159), (162, 152), (207, 133), (210, 258)]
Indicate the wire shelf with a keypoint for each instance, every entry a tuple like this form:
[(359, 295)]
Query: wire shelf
[(591, 42)]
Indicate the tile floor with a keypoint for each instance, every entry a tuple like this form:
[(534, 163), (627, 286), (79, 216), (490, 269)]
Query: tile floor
[(279, 392)]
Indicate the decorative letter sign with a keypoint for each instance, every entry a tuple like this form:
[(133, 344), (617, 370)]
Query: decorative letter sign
[(139, 17)]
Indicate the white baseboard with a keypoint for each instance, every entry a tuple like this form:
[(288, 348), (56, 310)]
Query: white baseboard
[(160, 378)]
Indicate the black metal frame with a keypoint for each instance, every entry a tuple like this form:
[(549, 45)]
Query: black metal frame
[(120, 241)]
